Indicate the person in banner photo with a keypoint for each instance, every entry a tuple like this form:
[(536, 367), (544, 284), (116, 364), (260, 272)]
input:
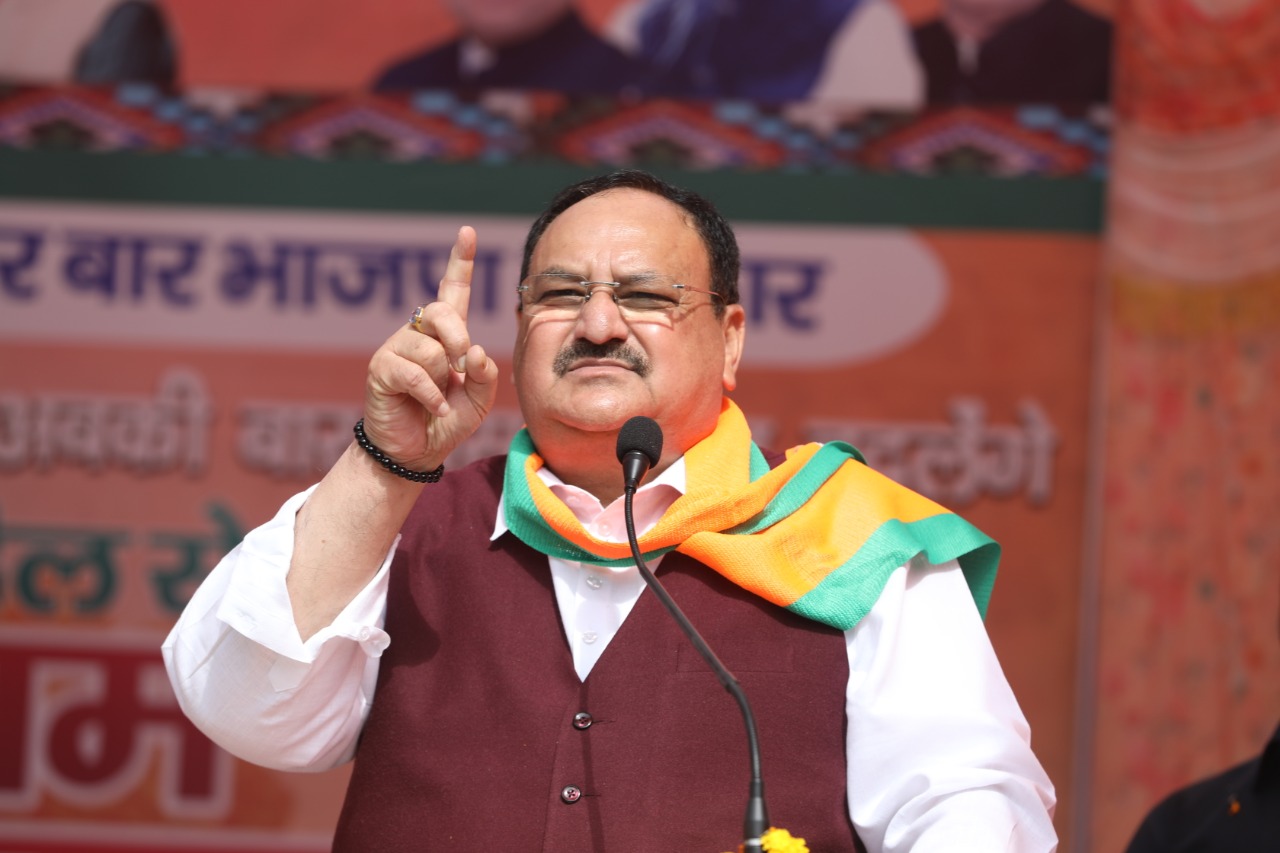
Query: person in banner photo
[(93, 42), (847, 52), (528, 45), (1015, 51), (831, 50), (481, 642)]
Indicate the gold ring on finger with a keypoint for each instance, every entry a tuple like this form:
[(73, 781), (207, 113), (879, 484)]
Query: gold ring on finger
[(415, 322)]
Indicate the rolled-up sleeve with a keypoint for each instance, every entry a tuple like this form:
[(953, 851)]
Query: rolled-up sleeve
[(244, 676)]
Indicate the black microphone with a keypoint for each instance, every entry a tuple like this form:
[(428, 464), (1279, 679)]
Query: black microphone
[(639, 448)]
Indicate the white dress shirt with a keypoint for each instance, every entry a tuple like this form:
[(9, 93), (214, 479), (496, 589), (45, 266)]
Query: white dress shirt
[(938, 751)]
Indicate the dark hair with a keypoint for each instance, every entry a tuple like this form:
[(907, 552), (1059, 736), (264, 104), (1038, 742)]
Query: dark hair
[(717, 236)]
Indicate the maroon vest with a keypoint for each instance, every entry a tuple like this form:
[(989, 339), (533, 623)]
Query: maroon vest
[(482, 738)]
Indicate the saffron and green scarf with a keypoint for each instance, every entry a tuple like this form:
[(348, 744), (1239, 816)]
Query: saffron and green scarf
[(819, 534)]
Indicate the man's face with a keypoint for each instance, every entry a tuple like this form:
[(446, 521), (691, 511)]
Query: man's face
[(582, 377), (498, 23)]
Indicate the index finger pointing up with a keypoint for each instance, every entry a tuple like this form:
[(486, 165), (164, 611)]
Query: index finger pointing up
[(455, 287)]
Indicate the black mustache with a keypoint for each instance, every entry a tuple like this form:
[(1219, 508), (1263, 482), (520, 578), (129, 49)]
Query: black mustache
[(613, 350)]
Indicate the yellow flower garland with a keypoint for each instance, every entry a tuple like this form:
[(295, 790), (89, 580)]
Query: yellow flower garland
[(780, 841), (777, 840)]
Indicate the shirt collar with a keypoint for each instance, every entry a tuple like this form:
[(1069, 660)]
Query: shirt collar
[(660, 493)]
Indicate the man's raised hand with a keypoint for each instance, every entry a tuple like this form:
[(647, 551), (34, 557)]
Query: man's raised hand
[(429, 386)]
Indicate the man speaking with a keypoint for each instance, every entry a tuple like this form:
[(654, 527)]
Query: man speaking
[(482, 644)]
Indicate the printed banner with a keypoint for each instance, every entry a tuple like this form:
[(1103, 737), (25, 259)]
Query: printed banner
[(211, 214), (198, 277), (169, 375)]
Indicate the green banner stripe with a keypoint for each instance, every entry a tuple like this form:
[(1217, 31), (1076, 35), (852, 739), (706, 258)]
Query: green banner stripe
[(1070, 204)]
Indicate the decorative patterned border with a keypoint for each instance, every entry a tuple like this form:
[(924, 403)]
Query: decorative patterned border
[(506, 127)]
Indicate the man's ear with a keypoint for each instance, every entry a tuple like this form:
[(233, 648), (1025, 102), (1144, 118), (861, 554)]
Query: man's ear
[(734, 324)]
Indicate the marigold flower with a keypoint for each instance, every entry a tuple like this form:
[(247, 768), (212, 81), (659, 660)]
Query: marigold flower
[(777, 840)]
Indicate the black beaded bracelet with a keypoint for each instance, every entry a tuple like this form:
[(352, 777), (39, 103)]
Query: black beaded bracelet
[(390, 464)]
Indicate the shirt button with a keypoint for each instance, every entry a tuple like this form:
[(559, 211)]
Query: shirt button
[(582, 720), (589, 637), (570, 794), (595, 581)]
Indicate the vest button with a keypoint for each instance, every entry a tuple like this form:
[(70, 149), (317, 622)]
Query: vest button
[(582, 720), (571, 794)]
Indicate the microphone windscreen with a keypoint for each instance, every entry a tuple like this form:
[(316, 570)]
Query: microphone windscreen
[(643, 435)]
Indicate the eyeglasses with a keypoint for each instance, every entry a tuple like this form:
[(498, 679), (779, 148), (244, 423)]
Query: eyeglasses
[(644, 296)]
